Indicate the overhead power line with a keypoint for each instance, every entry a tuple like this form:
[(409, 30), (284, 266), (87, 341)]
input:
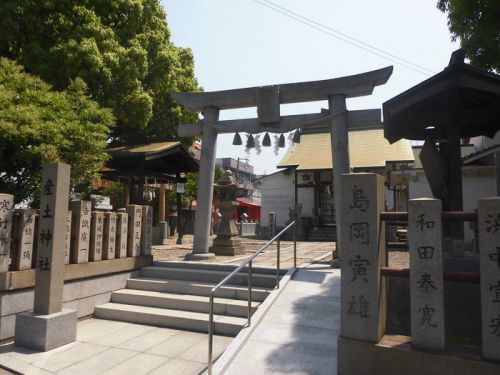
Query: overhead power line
[(345, 38)]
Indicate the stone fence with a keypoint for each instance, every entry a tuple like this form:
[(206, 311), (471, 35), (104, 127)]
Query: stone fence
[(363, 287), (101, 251), (90, 236)]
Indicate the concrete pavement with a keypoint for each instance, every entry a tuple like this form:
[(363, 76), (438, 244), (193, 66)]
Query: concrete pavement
[(298, 334)]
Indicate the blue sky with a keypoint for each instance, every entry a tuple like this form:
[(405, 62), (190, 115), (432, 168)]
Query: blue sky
[(242, 43)]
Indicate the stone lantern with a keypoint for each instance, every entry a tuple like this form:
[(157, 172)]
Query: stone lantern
[(227, 241)]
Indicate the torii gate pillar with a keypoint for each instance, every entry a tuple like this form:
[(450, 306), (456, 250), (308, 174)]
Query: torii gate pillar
[(205, 187), (340, 152)]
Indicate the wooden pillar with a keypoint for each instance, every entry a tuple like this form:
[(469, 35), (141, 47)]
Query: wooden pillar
[(161, 203), (316, 208), (454, 164), (497, 171), (126, 195), (180, 223), (140, 193), (296, 198)]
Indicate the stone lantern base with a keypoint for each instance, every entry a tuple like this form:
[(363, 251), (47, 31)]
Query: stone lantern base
[(227, 246)]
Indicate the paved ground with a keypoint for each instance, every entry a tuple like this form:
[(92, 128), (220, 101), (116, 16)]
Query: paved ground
[(109, 347), (298, 335), (306, 252)]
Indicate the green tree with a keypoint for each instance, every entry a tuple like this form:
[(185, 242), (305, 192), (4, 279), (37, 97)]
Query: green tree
[(120, 48), (476, 23), (38, 126), (191, 186)]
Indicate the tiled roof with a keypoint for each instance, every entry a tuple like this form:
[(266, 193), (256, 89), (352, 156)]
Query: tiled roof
[(367, 148), (145, 148)]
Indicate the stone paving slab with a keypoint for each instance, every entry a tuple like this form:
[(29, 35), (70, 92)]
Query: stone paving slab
[(110, 347), (299, 333)]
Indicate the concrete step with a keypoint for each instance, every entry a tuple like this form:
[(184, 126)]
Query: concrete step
[(207, 276), (236, 292), (216, 267), (222, 306), (190, 321)]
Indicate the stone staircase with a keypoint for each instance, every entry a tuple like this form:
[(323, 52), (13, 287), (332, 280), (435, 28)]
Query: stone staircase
[(175, 295), (323, 234)]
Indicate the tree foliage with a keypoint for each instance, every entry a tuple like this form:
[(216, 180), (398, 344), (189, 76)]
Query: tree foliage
[(38, 126), (477, 24), (191, 186), (120, 48)]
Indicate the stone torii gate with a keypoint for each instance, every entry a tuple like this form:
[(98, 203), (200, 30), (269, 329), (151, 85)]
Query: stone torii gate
[(267, 99)]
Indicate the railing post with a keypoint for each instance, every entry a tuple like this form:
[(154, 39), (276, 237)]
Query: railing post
[(248, 261), (278, 263), (362, 239), (210, 332), (250, 294), (295, 244)]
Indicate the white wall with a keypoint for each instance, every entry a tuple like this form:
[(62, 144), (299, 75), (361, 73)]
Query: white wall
[(474, 187), (418, 186), (278, 195), (483, 142)]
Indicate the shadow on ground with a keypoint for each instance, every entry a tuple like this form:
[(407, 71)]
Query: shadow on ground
[(307, 325)]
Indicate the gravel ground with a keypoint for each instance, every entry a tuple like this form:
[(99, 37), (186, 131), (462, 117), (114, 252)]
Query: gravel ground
[(306, 251), (399, 259), (172, 251)]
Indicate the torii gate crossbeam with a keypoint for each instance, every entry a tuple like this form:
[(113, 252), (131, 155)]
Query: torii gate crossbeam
[(267, 99)]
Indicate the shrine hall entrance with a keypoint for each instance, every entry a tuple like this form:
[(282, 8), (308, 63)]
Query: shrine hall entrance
[(326, 205), (325, 198)]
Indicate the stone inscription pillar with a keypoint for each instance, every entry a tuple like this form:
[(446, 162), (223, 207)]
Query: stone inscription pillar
[(80, 231), (49, 326), (96, 236), (25, 229), (109, 239), (489, 263), (121, 235), (362, 290), (134, 230), (67, 238), (6, 214), (426, 273), (340, 154), (147, 230), (51, 238), (205, 187)]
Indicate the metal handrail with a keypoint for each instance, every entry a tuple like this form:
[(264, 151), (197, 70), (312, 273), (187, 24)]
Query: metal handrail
[(236, 270)]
